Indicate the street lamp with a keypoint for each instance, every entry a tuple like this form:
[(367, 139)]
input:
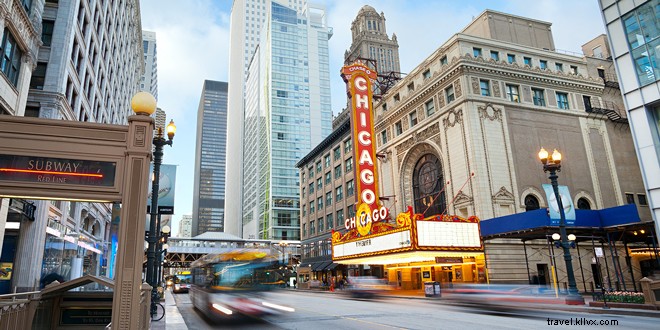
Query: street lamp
[(162, 247), (144, 102), (552, 164)]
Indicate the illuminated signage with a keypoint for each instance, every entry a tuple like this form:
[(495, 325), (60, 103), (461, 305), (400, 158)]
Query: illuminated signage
[(358, 78), (448, 234), (382, 243), (57, 170)]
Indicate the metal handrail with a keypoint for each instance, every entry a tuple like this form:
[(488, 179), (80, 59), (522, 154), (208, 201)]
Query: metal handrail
[(14, 295)]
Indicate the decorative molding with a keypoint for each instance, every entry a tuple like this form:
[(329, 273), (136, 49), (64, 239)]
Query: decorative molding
[(462, 199), (496, 88), (485, 113), (457, 88), (503, 195), (140, 136), (453, 117), (475, 85)]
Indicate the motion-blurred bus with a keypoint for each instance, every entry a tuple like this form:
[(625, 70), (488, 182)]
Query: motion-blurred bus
[(235, 283), (182, 281)]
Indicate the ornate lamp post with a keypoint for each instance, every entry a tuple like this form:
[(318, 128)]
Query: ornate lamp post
[(159, 141), (162, 247), (552, 164)]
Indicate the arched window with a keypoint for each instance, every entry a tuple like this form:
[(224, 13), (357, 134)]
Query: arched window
[(531, 203), (583, 204), (427, 184)]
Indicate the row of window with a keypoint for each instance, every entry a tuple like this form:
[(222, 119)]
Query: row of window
[(327, 223), (336, 155), (348, 164), (339, 195), (511, 58)]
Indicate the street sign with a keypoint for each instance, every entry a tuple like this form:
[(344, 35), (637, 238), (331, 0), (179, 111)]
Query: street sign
[(599, 252)]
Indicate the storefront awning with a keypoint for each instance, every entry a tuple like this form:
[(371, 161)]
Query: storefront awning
[(331, 266), (319, 266)]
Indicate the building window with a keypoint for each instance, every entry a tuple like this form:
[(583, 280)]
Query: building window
[(311, 208), (427, 74), (311, 188), (559, 67), (348, 165), (312, 230), (397, 98), (11, 57), (384, 107), (318, 167), (527, 61), (328, 198), (31, 112), (539, 97), (543, 64), (326, 160), (413, 118), (328, 221), (511, 58), (398, 128), (47, 32), (337, 153), (319, 184), (485, 87), (495, 55), (512, 93), (562, 100), (337, 172), (428, 187), (350, 188), (642, 200), (531, 203), (39, 76), (643, 38), (443, 60), (304, 210), (320, 221), (383, 137), (583, 204), (311, 172), (303, 192), (339, 193), (27, 4), (280, 136), (449, 94), (328, 178), (304, 230), (630, 198), (340, 215), (411, 87), (574, 69), (348, 146), (476, 52), (430, 108)]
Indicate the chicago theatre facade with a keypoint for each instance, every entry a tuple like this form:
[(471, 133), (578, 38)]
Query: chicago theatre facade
[(460, 134)]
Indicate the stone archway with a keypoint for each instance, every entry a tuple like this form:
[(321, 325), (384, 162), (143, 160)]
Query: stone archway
[(408, 167)]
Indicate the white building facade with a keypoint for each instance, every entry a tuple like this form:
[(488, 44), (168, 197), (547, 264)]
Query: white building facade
[(635, 45), (247, 17), (287, 111)]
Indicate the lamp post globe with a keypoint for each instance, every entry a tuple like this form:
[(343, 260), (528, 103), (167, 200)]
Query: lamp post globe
[(143, 103)]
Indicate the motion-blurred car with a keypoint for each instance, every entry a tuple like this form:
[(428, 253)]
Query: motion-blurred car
[(367, 286), (487, 296)]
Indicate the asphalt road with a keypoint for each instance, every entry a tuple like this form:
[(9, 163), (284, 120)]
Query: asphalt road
[(319, 311)]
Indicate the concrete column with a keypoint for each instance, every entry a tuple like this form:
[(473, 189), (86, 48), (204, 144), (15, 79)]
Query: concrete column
[(126, 305), (30, 250), (4, 209)]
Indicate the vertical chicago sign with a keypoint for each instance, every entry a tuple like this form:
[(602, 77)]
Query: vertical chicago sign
[(358, 78)]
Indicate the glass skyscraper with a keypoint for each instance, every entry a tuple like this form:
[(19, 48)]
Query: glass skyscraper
[(210, 159), (287, 111)]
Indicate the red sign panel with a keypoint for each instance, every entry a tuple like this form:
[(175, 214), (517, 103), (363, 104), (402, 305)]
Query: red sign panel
[(358, 78)]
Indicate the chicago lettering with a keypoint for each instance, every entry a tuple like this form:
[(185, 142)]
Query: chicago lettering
[(375, 216)]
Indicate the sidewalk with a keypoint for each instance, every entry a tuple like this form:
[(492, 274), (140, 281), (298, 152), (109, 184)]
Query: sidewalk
[(172, 319)]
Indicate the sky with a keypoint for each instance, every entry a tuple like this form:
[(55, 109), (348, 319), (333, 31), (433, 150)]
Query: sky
[(192, 37)]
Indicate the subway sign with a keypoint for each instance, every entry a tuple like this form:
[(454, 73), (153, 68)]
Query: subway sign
[(358, 78), (57, 170)]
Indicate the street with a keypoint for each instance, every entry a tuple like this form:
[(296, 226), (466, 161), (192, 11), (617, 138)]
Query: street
[(315, 310)]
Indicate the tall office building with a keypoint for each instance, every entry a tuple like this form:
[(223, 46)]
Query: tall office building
[(631, 29), (149, 80), (210, 159), (247, 17), (185, 226), (287, 111), (87, 69)]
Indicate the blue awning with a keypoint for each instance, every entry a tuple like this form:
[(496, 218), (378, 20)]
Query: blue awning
[(527, 221)]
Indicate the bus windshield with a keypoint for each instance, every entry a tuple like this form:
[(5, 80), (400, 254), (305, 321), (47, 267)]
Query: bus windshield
[(183, 278)]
